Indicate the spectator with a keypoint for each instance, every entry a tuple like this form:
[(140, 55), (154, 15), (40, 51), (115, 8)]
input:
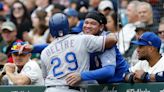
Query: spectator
[(57, 8), (93, 5), (30, 72), (2, 42), (105, 7), (148, 50), (72, 17), (82, 8), (145, 14), (161, 35), (3, 60), (30, 5), (122, 12), (42, 5), (112, 23), (124, 39), (21, 18), (82, 5), (9, 33), (39, 35)]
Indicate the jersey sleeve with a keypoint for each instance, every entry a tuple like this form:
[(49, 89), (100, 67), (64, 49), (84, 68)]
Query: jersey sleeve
[(43, 64), (94, 43), (108, 57), (102, 73), (39, 48), (32, 71)]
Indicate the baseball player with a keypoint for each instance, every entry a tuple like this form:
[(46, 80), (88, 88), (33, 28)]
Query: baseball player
[(68, 53), (30, 72), (151, 67), (112, 62)]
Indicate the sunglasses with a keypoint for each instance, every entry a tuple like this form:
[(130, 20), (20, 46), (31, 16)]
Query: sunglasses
[(148, 42), (160, 32)]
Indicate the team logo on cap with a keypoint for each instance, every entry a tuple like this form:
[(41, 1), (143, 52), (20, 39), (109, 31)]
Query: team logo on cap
[(16, 46)]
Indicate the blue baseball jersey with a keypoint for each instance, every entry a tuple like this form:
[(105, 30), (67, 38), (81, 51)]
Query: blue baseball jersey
[(113, 66)]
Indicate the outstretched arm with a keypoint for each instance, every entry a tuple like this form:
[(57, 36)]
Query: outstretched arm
[(32, 49), (39, 48), (105, 72)]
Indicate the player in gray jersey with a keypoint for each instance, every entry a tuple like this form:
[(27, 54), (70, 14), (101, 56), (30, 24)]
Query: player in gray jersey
[(68, 53)]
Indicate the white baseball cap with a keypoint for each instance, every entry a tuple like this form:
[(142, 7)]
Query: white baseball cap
[(8, 25), (105, 4)]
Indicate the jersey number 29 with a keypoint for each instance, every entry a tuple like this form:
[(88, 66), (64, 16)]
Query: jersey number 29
[(68, 60)]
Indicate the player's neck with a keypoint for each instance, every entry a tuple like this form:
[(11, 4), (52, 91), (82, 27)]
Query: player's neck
[(154, 59)]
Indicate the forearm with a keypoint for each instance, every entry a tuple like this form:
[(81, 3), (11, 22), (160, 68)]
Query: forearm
[(105, 72), (18, 79), (110, 41), (39, 48)]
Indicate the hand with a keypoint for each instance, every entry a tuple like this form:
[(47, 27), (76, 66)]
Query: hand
[(138, 74), (26, 48), (10, 67), (73, 79), (137, 80)]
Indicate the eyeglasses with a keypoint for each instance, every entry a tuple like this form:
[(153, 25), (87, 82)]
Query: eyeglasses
[(160, 32), (18, 8), (148, 42)]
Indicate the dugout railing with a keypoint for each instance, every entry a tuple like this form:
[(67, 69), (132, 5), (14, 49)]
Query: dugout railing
[(118, 87)]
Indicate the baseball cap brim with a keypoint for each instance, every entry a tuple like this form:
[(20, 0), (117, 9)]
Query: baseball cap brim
[(16, 51), (139, 43), (7, 27)]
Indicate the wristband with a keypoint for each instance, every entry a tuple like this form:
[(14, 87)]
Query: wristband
[(130, 77), (145, 77), (159, 77)]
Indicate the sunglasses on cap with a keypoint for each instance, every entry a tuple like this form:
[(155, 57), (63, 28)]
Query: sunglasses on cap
[(148, 42)]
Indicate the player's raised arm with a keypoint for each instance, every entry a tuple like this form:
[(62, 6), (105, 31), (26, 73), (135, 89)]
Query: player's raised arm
[(111, 40)]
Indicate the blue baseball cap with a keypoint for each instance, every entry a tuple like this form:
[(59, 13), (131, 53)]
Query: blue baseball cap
[(149, 39), (17, 46), (71, 12)]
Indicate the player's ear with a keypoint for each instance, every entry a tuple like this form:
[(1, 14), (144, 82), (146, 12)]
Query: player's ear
[(101, 27), (29, 54)]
